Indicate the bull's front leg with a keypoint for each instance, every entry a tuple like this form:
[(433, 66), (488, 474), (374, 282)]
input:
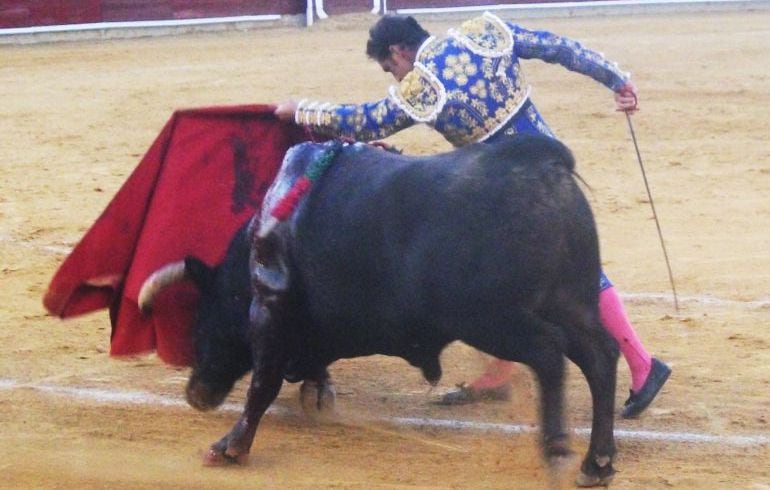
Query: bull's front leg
[(267, 377)]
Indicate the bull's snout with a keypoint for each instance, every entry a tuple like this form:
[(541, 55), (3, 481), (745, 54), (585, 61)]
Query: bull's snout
[(202, 397)]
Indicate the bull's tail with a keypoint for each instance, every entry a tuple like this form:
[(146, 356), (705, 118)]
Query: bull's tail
[(582, 181), (561, 155)]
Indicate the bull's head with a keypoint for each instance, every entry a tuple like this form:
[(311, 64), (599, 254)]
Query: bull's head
[(222, 349)]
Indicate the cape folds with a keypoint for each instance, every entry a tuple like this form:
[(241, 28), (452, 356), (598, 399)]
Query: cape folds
[(202, 178)]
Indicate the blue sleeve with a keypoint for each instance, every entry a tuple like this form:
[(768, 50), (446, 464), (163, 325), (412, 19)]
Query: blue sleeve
[(568, 53), (362, 122)]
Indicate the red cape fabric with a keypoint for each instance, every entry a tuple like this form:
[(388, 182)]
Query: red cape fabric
[(202, 178)]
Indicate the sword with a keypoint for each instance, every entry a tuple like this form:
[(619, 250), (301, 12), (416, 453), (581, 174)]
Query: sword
[(654, 213)]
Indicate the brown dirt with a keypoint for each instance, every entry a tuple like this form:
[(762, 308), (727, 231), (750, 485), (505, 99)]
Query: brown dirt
[(76, 118)]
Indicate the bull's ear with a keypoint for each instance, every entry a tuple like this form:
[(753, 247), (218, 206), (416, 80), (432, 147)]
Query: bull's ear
[(201, 274)]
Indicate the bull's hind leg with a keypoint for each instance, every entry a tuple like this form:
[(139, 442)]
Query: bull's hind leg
[(266, 380), (529, 339), (546, 359), (596, 354)]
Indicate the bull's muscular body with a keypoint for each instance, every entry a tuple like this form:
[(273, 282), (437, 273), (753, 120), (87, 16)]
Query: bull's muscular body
[(492, 245)]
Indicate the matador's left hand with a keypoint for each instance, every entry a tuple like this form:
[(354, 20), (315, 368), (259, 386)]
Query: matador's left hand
[(626, 99)]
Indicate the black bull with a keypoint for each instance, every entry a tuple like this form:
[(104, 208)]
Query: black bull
[(492, 245)]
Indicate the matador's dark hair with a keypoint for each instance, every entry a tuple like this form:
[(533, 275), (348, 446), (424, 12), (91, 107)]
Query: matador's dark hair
[(394, 30)]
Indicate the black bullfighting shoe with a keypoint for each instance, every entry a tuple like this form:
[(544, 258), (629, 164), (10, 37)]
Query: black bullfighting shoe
[(465, 395), (637, 402)]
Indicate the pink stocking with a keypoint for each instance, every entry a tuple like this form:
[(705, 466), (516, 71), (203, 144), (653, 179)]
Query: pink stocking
[(615, 320), (497, 373)]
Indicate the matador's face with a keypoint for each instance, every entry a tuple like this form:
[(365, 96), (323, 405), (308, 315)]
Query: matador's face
[(399, 63)]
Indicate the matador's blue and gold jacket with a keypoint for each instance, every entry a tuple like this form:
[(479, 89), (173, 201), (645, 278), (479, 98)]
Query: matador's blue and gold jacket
[(467, 85)]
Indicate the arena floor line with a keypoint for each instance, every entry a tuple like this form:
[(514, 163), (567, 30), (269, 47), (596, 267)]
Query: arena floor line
[(116, 397)]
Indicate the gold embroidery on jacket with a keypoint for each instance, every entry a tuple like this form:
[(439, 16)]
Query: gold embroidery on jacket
[(420, 94), (459, 68), (487, 35)]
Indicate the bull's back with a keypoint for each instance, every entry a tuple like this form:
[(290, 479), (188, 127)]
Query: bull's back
[(402, 240)]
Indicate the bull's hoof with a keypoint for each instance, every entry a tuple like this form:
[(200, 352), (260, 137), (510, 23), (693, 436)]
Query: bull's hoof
[(214, 457), (559, 456), (596, 473), (317, 399), (557, 447), (584, 480)]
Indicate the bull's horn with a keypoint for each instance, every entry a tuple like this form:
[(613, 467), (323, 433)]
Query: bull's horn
[(159, 280)]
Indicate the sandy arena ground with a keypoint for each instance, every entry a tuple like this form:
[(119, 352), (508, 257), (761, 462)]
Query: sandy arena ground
[(76, 117)]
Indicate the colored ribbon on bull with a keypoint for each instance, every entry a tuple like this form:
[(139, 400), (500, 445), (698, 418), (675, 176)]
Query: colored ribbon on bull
[(288, 204)]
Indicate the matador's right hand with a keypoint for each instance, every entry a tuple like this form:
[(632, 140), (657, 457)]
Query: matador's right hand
[(626, 99)]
